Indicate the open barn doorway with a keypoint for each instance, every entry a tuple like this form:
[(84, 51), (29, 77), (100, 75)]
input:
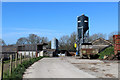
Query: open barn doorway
[(39, 47)]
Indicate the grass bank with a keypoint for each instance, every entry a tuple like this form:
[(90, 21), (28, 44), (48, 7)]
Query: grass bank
[(17, 73)]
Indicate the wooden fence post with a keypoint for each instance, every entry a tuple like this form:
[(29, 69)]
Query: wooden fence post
[(10, 70), (29, 55), (32, 54), (24, 55), (15, 60), (1, 71), (36, 55), (20, 58)]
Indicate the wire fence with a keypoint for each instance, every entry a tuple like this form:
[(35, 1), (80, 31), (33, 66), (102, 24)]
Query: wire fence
[(13, 61)]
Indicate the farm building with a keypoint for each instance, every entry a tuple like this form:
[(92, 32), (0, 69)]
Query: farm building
[(101, 44), (50, 52), (7, 50), (27, 48), (90, 50)]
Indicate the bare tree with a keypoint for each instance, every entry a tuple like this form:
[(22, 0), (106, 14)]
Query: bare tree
[(44, 40), (72, 41), (22, 41), (96, 36), (110, 36), (67, 42), (2, 42), (49, 45), (33, 39), (64, 42)]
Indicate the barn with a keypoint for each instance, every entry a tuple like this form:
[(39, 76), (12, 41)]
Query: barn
[(27, 48), (100, 44)]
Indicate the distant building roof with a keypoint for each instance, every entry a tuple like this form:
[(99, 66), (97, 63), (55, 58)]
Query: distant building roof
[(101, 44), (33, 44), (10, 48), (101, 41), (25, 47)]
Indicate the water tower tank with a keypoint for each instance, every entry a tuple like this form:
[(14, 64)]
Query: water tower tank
[(54, 43)]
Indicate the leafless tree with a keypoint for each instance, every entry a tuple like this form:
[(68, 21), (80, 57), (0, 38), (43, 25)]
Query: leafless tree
[(2, 42), (110, 36), (22, 41), (96, 36), (43, 40), (64, 42), (67, 42), (49, 45), (72, 41), (32, 39)]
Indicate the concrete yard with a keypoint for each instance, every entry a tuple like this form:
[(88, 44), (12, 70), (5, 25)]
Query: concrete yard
[(98, 68), (70, 67)]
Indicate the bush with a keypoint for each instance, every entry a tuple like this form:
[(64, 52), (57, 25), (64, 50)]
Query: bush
[(107, 52), (18, 72)]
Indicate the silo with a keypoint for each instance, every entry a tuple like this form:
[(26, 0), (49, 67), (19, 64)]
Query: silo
[(82, 31), (82, 22), (54, 44)]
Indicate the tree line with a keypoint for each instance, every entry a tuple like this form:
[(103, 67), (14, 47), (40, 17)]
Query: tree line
[(31, 39), (66, 42)]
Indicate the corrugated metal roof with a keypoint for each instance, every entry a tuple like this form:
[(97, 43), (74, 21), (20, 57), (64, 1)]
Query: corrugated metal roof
[(10, 48), (100, 41)]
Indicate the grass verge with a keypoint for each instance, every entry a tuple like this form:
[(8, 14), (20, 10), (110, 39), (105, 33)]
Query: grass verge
[(17, 73)]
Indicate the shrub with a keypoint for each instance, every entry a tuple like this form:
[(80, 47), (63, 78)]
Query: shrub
[(107, 52)]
